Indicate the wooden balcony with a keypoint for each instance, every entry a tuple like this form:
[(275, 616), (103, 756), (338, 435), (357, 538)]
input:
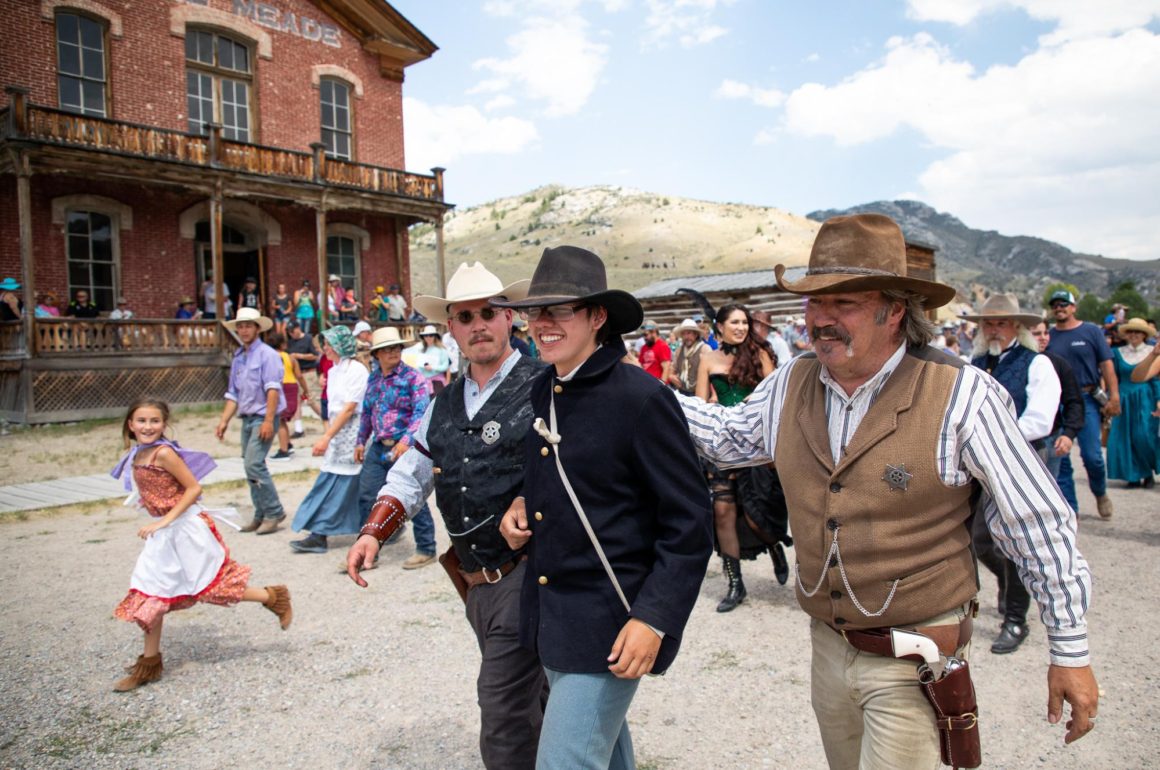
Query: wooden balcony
[(186, 154)]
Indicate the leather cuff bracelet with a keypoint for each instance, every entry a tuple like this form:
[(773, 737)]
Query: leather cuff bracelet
[(387, 516)]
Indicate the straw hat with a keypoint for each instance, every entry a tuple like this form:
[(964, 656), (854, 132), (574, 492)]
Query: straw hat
[(1004, 306), (429, 331), (387, 336), (688, 325), (863, 252), (253, 315), (469, 283), (1137, 325), (568, 274)]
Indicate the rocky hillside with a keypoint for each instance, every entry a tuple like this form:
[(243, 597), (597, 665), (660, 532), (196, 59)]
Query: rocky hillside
[(644, 237), (984, 260)]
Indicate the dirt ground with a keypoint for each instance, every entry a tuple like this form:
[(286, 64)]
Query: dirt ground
[(384, 677)]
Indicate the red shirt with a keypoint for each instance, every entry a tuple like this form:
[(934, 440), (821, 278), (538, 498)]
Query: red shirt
[(653, 357)]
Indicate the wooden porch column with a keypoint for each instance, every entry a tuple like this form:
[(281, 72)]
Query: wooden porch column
[(323, 285), (27, 275), (215, 244), (439, 266)]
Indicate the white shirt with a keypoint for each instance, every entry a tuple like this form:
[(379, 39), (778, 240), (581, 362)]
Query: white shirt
[(780, 348), (1028, 518), (1043, 390)]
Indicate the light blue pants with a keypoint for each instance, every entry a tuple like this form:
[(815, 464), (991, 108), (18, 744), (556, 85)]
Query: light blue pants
[(254, 450), (584, 723)]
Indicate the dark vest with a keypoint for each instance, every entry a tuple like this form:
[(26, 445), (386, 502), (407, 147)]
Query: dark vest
[(1012, 373), (475, 481)]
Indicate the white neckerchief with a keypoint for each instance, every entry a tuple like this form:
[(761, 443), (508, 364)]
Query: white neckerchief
[(1134, 354)]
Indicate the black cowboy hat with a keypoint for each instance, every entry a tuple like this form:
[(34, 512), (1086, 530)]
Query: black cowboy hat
[(569, 274)]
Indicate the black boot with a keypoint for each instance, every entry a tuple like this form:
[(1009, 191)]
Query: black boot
[(1011, 635), (736, 594), (780, 563)]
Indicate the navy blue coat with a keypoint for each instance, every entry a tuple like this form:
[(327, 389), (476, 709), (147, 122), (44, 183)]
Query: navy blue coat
[(627, 452)]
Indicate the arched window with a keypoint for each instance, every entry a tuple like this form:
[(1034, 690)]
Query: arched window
[(342, 259), (81, 69), (92, 256), (218, 84), (337, 125)]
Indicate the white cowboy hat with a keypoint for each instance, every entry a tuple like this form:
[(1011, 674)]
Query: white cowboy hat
[(253, 315), (360, 327), (1004, 306), (387, 336), (429, 331), (688, 325), (469, 283)]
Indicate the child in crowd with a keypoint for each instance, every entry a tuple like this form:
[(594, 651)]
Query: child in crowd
[(184, 560), (294, 386)]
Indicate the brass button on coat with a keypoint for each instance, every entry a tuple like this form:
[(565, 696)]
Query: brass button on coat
[(543, 580), (559, 388), (539, 516), (544, 451)]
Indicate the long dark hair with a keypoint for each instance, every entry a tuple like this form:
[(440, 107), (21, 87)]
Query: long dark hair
[(746, 368)]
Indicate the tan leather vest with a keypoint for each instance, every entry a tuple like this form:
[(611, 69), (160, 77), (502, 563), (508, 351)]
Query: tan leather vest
[(913, 541)]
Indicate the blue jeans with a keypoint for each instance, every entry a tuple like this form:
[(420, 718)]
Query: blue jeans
[(304, 324), (1049, 457), (584, 725), (1090, 451), (376, 464), (254, 451)]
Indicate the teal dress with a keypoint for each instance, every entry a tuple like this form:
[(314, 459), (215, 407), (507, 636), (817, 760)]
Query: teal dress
[(1133, 446)]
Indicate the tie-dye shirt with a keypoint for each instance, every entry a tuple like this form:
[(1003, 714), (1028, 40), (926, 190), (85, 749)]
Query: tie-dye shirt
[(393, 405)]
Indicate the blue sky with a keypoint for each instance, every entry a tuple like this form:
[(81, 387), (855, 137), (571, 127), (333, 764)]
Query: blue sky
[(1030, 117)]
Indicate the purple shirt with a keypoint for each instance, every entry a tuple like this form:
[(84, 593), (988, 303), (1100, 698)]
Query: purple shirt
[(393, 405), (252, 373)]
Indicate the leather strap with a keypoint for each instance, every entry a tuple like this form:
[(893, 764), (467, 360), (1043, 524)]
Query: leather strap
[(479, 577), (876, 641)]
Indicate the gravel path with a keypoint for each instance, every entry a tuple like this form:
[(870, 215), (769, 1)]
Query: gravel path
[(384, 677)]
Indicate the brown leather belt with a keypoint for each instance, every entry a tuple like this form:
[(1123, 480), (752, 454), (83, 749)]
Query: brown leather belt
[(485, 575), (949, 639)]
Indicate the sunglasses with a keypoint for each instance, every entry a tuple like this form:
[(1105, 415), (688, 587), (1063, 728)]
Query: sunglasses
[(554, 312), (467, 316)]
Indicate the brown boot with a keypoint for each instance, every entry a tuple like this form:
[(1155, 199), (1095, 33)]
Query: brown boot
[(252, 526), (144, 671), (278, 602)]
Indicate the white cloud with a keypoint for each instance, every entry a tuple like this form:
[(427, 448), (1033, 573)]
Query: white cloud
[(552, 61), (762, 97), (1038, 147), (813, 57), (686, 21), (499, 103), (1075, 18), (437, 135), (765, 136)]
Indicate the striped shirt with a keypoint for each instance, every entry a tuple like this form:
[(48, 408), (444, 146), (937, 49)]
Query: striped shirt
[(979, 441)]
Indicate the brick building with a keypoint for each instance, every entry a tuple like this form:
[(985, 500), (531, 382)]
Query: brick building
[(143, 144)]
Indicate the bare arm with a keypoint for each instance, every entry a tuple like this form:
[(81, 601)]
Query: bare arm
[(228, 413), (766, 364), (1149, 367), (1112, 385), (172, 462), (702, 389)]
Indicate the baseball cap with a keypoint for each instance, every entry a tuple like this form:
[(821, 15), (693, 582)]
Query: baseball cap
[(649, 325), (360, 327), (1062, 296)]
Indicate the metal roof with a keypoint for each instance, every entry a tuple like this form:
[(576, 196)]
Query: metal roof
[(743, 281)]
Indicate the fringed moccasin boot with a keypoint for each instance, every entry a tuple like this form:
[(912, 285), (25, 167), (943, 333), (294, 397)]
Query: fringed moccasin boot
[(144, 671), (278, 602)]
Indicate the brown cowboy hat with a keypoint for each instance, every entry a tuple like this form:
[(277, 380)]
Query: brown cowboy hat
[(1004, 306), (1137, 325), (568, 274), (862, 252)]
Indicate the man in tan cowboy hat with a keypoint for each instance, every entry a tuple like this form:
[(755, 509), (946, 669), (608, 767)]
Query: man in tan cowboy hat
[(469, 449), (683, 374), (886, 449), (1005, 349), (255, 393)]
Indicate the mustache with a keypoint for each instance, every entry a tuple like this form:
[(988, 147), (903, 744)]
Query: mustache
[(829, 333), (481, 338)]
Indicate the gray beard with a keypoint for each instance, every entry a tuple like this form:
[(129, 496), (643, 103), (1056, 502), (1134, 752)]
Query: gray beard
[(994, 348)]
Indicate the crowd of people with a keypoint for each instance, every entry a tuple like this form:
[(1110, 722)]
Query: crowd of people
[(584, 483)]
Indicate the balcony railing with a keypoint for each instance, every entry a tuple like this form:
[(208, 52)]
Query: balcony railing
[(100, 336), (29, 122)]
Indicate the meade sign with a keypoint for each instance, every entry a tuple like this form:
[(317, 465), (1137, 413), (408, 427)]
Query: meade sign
[(271, 17)]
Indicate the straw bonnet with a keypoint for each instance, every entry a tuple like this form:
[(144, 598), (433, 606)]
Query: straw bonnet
[(688, 325), (469, 283), (1004, 306), (253, 315), (387, 336), (1137, 325), (569, 274), (863, 252)]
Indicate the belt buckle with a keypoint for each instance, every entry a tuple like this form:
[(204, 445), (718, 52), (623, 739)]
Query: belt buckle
[(489, 581)]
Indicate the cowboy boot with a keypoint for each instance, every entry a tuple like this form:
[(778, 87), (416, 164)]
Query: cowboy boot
[(278, 602), (144, 671), (780, 563), (737, 592)]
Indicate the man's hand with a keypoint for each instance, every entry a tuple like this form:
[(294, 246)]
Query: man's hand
[(361, 555), (359, 454), (220, 430), (397, 451), (634, 651), (1062, 446), (266, 430), (1078, 687), (514, 525), (1112, 408)]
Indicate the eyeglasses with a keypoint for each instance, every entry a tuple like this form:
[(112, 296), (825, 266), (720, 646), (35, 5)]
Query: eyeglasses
[(467, 316), (1057, 305), (553, 312)]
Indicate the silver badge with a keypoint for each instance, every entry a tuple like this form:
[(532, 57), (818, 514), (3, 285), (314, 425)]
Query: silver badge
[(897, 478), (490, 432)]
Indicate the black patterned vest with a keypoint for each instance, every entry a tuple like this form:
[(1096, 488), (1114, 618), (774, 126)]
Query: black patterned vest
[(479, 464), (1012, 373)]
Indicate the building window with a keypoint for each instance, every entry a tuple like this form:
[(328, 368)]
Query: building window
[(92, 257), (342, 260), (218, 79), (336, 123), (80, 64)]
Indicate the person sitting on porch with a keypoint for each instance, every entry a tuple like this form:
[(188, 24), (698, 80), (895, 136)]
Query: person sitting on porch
[(122, 311), (187, 309), (82, 307), (48, 306), (10, 302)]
